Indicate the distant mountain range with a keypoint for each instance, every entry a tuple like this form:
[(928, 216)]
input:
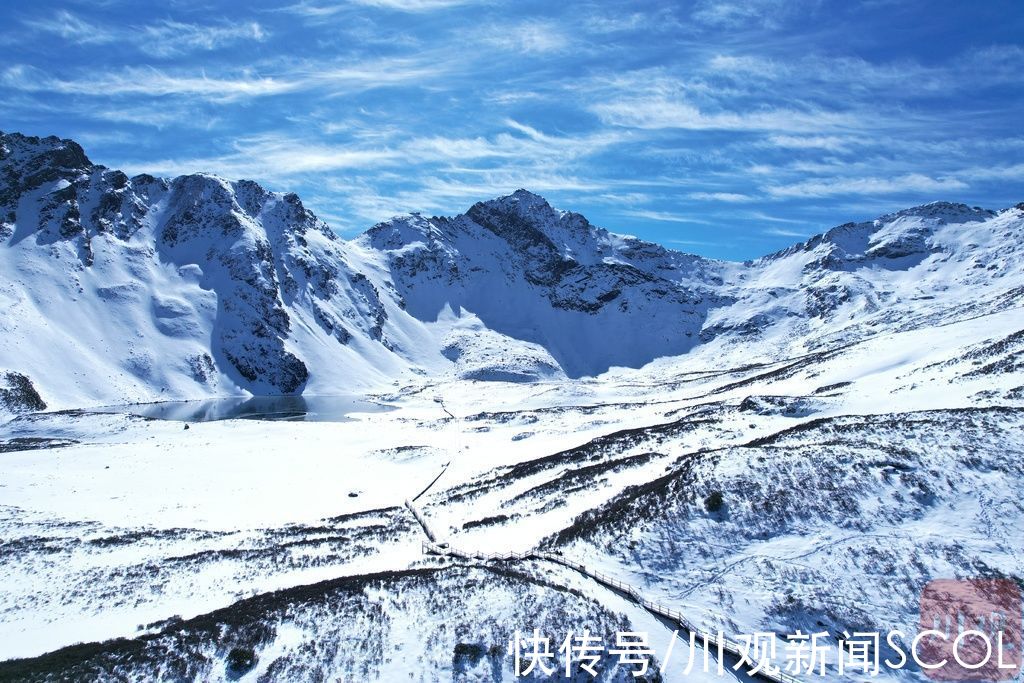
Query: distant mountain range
[(119, 289)]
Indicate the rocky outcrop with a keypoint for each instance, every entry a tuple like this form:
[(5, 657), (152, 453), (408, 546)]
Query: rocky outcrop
[(18, 395)]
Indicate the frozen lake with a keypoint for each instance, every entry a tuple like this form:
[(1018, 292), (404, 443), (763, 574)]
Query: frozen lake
[(294, 408)]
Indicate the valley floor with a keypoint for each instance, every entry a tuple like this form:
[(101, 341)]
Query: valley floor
[(817, 492)]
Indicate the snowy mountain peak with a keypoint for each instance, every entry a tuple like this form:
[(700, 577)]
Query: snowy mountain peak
[(525, 216), (523, 200), (547, 278), (29, 163), (52, 150), (895, 240), (951, 212), (522, 203)]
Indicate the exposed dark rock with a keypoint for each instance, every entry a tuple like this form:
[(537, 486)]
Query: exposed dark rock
[(19, 395)]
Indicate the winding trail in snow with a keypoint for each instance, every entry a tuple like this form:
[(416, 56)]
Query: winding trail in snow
[(722, 643)]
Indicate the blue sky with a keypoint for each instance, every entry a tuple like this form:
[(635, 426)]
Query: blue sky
[(727, 128)]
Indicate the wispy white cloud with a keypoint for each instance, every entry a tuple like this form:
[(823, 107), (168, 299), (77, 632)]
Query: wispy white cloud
[(657, 99), (167, 38), (736, 14), (734, 197), (819, 75), (162, 115), (910, 182), (827, 142), (512, 97), (622, 198), (614, 23), (531, 147), (656, 112), (743, 64), (275, 157), (161, 39), (413, 5), (782, 232), (318, 11), (663, 216), (146, 81), (997, 63), (373, 73), (995, 172), (73, 28), (731, 14), (332, 79), (446, 194), (495, 182), (527, 37), (313, 11)]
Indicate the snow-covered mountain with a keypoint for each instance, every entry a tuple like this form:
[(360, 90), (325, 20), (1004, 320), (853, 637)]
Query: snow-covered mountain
[(921, 266), (588, 298), (121, 289)]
